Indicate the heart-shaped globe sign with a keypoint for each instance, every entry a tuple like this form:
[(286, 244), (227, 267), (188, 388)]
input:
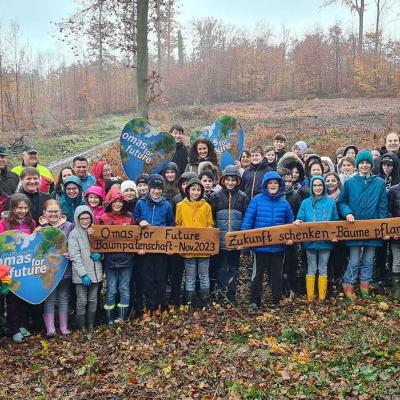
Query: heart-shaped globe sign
[(145, 150), (37, 262), (227, 135)]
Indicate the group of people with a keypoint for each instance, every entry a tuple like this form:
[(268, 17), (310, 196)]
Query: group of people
[(267, 187)]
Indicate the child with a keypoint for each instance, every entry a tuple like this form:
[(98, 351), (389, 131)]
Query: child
[(207, 179), (71, 197), (87, 271), (195, 212), (129, 190), (94, 197), (279, 146), (327, 165), (347, 169), (293, 163), (142, 186), (171, 176), (313, 166), (394, 211), (117, 266), (269, 208), (333, 185), (228, 206), (389, 170), (52, 217), (270, 156), (299, 148), (19, 218), (318, 207), (154, 210), (183, 181)]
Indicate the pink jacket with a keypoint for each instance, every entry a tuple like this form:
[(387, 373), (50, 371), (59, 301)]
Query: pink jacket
[(22, 226)]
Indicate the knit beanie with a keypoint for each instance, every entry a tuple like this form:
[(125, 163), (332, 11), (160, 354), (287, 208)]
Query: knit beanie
[(144, 178), (364, 155), (128, 185), (156, 181)]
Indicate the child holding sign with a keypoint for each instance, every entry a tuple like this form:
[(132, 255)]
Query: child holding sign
[(19, 219), (318, 207)]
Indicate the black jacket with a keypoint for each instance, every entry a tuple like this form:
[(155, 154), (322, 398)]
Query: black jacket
[(180, 157), (252, 178), (8, 181), (291, 197)]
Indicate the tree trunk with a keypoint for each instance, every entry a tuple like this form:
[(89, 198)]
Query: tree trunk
[(360, 11)]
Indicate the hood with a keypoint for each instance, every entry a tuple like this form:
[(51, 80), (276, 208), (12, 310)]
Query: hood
[(289, 161), (312, 159), (301, 145), (172, 167), (322, 179), (230, 170), (97, 190), (72, 179), (194, 181), (186, 176), (329, 162), (273, 175), (98, 169), (113, 195), (350, 146), (80, 210), (208, 165), (395, 172)]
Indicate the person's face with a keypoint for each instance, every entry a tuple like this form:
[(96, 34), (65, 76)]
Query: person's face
[(315, 170), (202, 150), (331, 182), (297, 151), (273, 186), (295, 174), (256, 158), (339, 157), (106, 174), (3, 162), (130, 194), (65, 174), (30, 183), (184, 185), (170, 175), (207, 183), (155, 193), (194, 192), (392, 143), (85, 220), (21, 210), (230, 182), (387, 168), (347, 168), (318, 188), (72, 191), (288, 182), (143, 188), (30, 159), (80, 168), (117, 205), (279, 144), (375, 154), (270, 156), (52, 213), (245, 160), (178, 135), (326, 167), (93, 200), (351, 152), (364, 168)]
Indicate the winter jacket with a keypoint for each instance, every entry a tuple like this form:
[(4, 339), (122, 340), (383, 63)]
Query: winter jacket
[(228, 208), (290, 161), (393, 178), (98, 172), (20, 226), (291, 197), (79, 251), (8, 181), (99, 210), (267, 210), (171, 188), (67, 204), (46, 177), (155, 212), (66, 227), (280, 154), (364, 198), (252, 178), (394, 204), (318, 210), (87, 182), (180, 157)]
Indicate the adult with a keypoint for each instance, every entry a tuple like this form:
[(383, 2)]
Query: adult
[(180, 157), (30, 159), (80, 166), (64, 173), (392, 146), (8, 180), (102, 172), (201, 150)]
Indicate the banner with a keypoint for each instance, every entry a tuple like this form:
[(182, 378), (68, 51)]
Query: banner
[(37, 262), (154, 239), (143, 149), (227, 135), (314, 231)]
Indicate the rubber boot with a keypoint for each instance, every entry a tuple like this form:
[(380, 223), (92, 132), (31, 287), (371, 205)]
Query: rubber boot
[(310, 285), (189, 299), (396, 286), (348, 291), (364, 289), (91, 317), (81, 322), (109, 314), (204, 297), (63, 319), (322, 287), (49, 322), (123, 312)]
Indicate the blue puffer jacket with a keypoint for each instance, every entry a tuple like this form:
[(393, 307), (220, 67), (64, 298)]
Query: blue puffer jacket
[(324, 209), (156, 213), (268, 210), (365, 198)]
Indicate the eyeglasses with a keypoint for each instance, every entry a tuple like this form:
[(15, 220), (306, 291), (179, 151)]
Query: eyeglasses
[(85, 219), (72, 189), (53, 211)]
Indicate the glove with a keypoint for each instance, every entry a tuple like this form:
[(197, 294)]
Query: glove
[(86, 281), (95, 256)]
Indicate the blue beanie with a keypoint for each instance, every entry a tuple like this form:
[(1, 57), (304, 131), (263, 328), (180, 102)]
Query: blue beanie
[(364, 155)]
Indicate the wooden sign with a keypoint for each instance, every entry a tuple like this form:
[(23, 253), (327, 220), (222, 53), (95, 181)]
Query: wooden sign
[(313, 232), (154, 239)]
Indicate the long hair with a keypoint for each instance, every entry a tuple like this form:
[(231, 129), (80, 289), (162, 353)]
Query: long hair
[(58, 188), (194, 157), (12, 218)]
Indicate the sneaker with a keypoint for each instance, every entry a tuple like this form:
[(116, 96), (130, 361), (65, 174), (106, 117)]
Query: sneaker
[(292, 295), (18, 337), (24, 332)]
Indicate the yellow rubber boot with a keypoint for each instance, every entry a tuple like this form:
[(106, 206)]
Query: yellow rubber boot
[(310, 285), (322, 286)]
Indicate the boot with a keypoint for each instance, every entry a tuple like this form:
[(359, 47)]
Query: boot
[(81, 322), (109, 314), (123, 312), (364, 289), (189, 299), (63, 319), (310, 285), (396, 286), (322, 286), (348, 291), (204, 297), (91, 317), (49, 322)]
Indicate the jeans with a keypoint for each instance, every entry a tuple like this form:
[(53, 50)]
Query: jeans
[(227, 271), (117, 281), (365, 264), (17, 313), (396, 258), (318, 260), (59, 295), (86, 296), (192, 265)]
